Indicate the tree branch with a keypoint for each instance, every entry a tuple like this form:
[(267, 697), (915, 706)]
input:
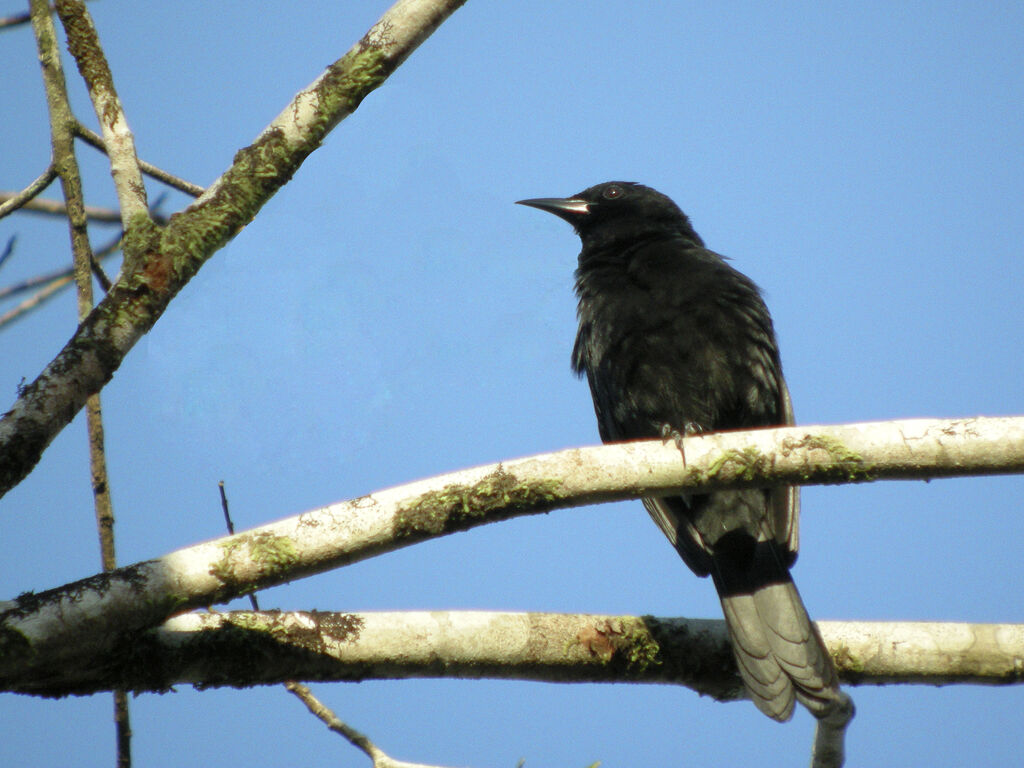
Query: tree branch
[(15, 20), (60, 209), (217, 649), (160, 261), (149, 169), (52, 283), (84, 44), (61, 136), (12, 201), (53, 628), (379, 757)]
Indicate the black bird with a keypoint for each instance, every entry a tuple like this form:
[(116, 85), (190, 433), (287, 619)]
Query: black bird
[(674, 340)]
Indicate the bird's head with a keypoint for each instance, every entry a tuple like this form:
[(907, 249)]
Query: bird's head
[(617, 209)]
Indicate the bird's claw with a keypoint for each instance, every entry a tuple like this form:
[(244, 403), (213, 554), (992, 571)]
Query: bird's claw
[(690, 428)]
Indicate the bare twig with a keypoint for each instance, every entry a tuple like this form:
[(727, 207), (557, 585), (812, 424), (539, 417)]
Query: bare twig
[(53, 283), (317, 707), (59, 208), (253, 600), (8, 249), (104, 253), (97, 270), (355, 738), (104, 509), (39, 298), (224, 508), (95, 141), (15, 20), (12, 201), (32, 282), (62, 140)]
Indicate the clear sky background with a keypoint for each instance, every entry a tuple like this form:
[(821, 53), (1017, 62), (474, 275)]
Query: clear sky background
[(392, 315)]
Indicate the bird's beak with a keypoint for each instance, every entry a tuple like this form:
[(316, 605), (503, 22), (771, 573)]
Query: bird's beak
[(568, 208)]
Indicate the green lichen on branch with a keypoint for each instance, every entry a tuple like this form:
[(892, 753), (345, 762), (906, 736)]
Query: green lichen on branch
[(457, 507), (644, 650), (84, 45), (625, 644), (845, 465), (851, 666), (750, 464), (223, 570), (268, 554), (258, 170), (347, 82), (273, 554), (141, 238)]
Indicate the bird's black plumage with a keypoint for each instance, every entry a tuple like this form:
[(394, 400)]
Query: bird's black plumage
[(673, 338)]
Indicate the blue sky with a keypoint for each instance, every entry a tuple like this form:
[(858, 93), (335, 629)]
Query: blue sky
[(392, 315)]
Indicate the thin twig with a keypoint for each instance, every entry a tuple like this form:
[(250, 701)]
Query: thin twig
[(34, 282), (37, 299), (318, 708), (104, 507), (96, 141), (224, 508), (59, 208), (14, 201), (53, 282), (123, 728), (231, 530), (8, 249), (97, 270), (380, 758), (16, 20)]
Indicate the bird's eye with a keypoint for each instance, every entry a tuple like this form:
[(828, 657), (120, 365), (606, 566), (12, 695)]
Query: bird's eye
[(612, 192)]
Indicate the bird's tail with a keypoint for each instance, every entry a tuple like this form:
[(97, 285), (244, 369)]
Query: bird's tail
[(780, 653)]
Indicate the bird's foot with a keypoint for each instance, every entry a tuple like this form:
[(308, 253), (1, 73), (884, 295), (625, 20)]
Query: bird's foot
[(690, 428)]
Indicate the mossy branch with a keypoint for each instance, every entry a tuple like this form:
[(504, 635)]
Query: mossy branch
[(159, 261), (69, 624), (246, 648)]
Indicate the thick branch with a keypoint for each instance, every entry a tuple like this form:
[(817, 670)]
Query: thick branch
[(90, 615), (160, 261), (217, 649)]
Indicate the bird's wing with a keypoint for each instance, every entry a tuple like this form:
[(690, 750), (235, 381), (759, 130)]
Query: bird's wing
[(669, 512)]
